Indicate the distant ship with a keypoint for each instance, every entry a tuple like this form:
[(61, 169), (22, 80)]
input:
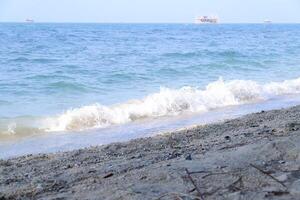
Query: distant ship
[(267, 21), (29, 20), (207, 20)]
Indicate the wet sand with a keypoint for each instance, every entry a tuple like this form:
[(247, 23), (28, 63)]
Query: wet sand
[(256, 156)]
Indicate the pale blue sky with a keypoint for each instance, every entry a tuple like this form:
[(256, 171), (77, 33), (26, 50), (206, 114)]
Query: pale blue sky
[(235, 11)]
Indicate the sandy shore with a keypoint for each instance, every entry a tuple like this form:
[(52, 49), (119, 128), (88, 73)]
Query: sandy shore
[(253, 157)]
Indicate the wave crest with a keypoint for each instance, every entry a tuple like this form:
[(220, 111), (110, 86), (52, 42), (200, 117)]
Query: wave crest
[(168, 102)]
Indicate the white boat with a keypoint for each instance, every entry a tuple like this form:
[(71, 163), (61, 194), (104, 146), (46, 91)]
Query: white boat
[(267, 21), (29, 20), (207, 20)]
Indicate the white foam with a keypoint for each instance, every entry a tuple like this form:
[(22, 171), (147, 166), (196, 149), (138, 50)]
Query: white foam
[(168, 102)]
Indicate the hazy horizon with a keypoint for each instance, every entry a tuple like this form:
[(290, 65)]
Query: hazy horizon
[(134, 11)]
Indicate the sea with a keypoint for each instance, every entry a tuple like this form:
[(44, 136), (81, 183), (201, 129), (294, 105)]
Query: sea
[(65, 86)]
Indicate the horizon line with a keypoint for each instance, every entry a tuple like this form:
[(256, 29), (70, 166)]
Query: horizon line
[(74, 22)]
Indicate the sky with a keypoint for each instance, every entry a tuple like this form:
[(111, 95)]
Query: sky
[(149, 11)]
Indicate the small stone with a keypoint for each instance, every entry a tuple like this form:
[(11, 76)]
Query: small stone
[(91, 171), (295, 188), (281, 161), (294, 126), (189, 157), (254, 125), (39, 188), (227, 137), (248, 134), (234, 196), (282, 177), (108, 175), (270, 189)]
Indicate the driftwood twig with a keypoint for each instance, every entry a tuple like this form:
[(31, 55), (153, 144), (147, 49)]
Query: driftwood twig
[(179, 195), (233, 185), (266, 173), (194, 183), (217, 173), (199, 172)]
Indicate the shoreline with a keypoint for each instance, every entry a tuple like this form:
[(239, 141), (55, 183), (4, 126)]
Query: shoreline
[(61, 142), (255, 156)]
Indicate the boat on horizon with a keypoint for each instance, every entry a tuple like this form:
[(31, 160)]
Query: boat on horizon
[(207, 20), (29, 20), (267, 21)]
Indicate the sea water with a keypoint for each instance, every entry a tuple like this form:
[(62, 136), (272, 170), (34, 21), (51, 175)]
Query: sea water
[(74, 82)]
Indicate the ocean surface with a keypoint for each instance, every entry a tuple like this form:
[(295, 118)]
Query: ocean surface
[(89, 79)]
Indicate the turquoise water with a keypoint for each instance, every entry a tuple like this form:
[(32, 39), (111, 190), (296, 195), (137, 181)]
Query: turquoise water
[(78, 77)]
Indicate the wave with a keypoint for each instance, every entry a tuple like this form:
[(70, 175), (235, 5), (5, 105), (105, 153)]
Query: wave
[(191, 54), (166, 102), (67, 86)]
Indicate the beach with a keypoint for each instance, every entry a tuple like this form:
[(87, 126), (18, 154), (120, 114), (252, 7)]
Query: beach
[(149, 111), (255, 156), (156, 100)]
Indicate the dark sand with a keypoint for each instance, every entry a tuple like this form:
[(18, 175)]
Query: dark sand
[(253, 157)]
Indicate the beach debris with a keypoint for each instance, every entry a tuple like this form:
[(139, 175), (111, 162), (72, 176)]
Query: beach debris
[(92, 171), (268, 174), (281, 162), (248, 134), (227, 137), (199, 172), (39, 188), (277, 193), (178, 195), (216, 173), (274, 130), (5, 163), (253, 125), (221, 166), (295, 188), (194, 183), (108, 175), (294, 126), (236, 185), (282, 177), (189, 157), (232, 146)]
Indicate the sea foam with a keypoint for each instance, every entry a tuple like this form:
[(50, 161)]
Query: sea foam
[(172, 102), (166, 102)]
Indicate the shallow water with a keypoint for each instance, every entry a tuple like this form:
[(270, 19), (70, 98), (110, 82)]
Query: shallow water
[(91, 78), (64, 141)]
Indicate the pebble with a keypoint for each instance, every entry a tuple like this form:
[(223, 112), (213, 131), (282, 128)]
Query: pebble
[(39, 188), (295, 188), (281, 161), (108, 175), (282, 177), (227, 137), (189, 157)]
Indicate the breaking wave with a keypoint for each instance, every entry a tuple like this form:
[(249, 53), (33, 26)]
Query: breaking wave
[(167, 102)]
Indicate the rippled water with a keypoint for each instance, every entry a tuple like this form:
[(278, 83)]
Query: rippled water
[(73, 77)]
